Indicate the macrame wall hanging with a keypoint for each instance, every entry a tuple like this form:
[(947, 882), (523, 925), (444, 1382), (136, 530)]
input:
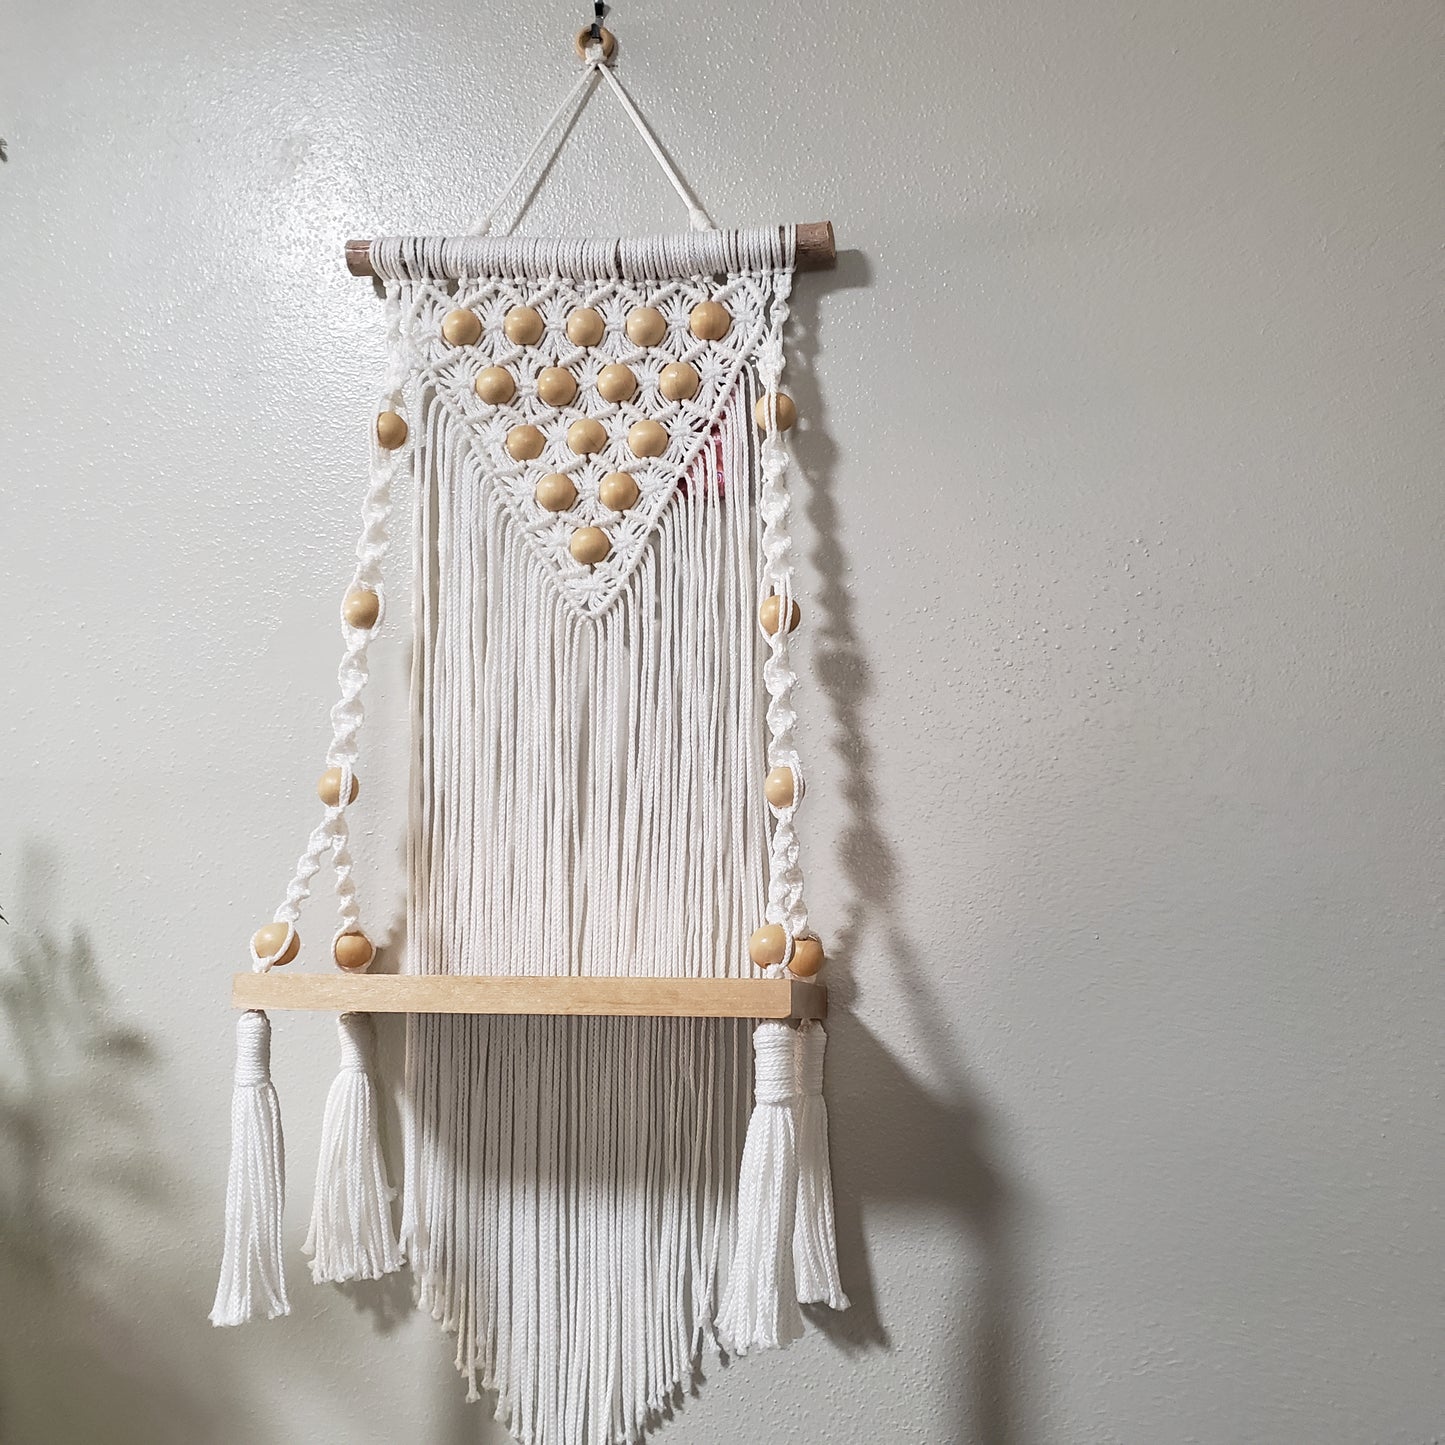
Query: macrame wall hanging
[(604, 877)]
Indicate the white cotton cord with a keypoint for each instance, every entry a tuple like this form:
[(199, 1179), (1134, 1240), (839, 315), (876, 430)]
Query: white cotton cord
[(573, 100), (573, 103), (759, 1307), (253, 1280), (351, 1234), (815, 1239), (698, 217)]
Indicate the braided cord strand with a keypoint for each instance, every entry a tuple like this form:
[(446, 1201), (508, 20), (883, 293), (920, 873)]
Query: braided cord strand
[(333, 833), (786, 904)]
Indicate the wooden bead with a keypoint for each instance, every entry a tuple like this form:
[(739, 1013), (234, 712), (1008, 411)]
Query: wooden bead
[(268, 939), (524, 325), (555, 493), (616, 383), (679, 381), (584, 39), (390, 430), (462, 328), (494, 385), (709, 321), (646, 326), (361, 608), (525, 443), (328, 787), (555, 386), (647, 438), (589, 545), (768, 945), (778, 787), (771, 612), (353, 951), (807, 956), (586, 436), (787, 412), (618, 491), (585, 327)]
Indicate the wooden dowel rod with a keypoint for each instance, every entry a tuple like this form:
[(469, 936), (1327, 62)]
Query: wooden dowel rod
[(737, 998), (816, 250)]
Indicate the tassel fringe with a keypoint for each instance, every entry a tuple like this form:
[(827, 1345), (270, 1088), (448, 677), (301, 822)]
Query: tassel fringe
[(351, 1234), (815, 1243), (253, 1282), (759, 1311)]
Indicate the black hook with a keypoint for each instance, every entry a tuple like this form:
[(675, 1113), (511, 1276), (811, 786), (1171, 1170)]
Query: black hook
[(598, 11)]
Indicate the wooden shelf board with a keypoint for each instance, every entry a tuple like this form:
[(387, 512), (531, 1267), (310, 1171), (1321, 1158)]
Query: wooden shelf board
[(733, 998)]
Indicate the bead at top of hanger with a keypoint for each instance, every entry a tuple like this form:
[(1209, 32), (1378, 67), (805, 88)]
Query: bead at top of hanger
[(584, 39)]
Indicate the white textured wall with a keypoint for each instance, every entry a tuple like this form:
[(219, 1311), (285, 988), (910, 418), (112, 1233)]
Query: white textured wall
[(1123, 423)]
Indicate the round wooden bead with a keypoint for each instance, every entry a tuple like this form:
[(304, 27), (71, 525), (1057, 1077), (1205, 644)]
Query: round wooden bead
[(268, 939), (524, 325), (709, 321), (525, 443), (768, 945), (807, 956), (555, 493), (647, 438), (778, 787), (787, 412), (679, 381), (353, 951), (589, 545), (462, 328), (770, 613), (555, 386), (586, 436), (618, 491), (390, 430), (585, 327), (584, 39), (361, 608), (646, 326), (616, 382), (328, 787), (494, 385)]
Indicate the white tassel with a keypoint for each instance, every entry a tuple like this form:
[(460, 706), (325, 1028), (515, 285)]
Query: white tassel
[(759, 1310), (351, 1234), (815, 1241), (253, 1282)]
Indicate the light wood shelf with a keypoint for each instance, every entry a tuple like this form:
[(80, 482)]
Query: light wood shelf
[(732, 998)]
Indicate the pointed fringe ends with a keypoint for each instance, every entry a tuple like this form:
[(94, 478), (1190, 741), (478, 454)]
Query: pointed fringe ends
[(351, 1235), (253, 1283), (759, 1311), (815, 1243)]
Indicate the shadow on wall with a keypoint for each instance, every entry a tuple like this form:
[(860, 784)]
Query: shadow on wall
[(893, 1138), (78, 1174)]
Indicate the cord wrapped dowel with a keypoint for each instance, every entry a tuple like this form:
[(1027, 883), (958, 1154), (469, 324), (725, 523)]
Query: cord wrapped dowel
[(816, 250)]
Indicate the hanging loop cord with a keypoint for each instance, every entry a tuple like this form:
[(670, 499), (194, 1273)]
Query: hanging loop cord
[(572, 105)]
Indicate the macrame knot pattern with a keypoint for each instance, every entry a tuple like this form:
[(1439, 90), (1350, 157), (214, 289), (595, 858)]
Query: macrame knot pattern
[(253, 1050)]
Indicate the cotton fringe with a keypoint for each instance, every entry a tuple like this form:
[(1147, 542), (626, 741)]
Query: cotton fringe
[(253, 1282), (351, 1234), (759, 1308), (815, 1244)]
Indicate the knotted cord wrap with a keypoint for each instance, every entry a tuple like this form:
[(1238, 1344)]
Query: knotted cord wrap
[(351, 1234), (759, 1309), (253, 1280), (815, 1244)]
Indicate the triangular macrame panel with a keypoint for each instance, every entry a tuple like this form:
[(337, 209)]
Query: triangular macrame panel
[(590, 739)]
